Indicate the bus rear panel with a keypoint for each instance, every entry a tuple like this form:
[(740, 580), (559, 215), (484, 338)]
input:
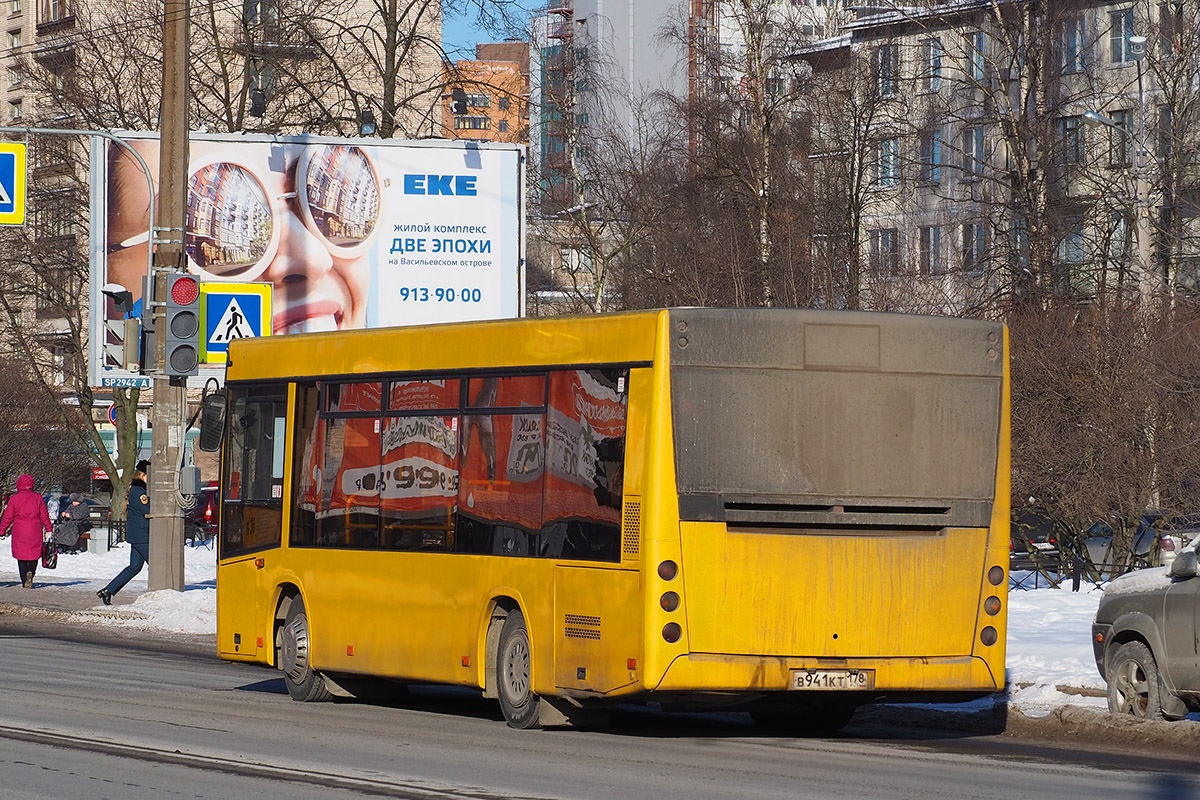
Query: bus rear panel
[(842, 495)]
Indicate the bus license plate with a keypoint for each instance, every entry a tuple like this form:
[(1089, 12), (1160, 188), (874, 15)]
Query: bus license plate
[(833, 679)]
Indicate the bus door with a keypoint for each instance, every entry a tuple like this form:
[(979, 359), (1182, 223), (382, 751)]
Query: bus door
[(251, 518)]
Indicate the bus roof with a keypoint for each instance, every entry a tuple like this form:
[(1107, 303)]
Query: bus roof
[(627, 337)]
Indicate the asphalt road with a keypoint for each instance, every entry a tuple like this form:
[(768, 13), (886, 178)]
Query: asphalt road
[(96, 715)]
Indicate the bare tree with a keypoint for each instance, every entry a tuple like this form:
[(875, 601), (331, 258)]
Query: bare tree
[(744, 94), (846, 111), (36, 439), (43, 302), (1175, 133)]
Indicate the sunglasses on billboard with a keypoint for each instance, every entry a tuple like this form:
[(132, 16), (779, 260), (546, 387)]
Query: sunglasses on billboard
[(234, 224)]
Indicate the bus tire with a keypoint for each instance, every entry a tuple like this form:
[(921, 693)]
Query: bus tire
[(514, 675), (303, 682)]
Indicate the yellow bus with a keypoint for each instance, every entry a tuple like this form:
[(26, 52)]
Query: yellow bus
[(791, 512)]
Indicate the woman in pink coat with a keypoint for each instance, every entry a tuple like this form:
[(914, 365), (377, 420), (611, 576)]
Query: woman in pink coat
[(27, 515)]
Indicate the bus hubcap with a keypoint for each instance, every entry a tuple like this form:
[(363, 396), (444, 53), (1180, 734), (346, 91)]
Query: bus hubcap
[(295, 649), (516, 671)]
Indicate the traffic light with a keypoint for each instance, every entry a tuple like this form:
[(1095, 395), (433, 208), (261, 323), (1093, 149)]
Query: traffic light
[(458, 102), (181, 328), (124, 337)]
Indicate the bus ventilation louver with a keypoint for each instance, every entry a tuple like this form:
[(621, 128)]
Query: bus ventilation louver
[(631, 529), (581, 626)]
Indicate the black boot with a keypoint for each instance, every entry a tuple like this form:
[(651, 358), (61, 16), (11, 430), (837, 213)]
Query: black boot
[(106, 596)]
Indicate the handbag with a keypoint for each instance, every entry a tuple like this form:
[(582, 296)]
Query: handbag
[(49, 554)]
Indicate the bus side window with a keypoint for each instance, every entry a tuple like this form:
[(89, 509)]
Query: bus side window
[(419, 482), (585, 465), (347, 500), (307, 468), (502, 465), (348, 510)]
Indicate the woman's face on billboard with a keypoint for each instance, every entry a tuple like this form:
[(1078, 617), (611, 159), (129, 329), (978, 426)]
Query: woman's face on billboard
[(302, 217)]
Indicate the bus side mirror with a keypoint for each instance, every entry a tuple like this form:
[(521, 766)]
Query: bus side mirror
[(212, 422)]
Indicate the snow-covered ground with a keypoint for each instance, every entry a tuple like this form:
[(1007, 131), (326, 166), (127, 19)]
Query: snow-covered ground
[(1049, 630), (192, 611)]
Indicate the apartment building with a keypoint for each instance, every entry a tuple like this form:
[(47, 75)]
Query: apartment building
[(487, 98), (1007, 154)]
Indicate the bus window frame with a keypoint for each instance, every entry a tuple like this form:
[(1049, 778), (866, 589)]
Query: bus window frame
[(463, 409)]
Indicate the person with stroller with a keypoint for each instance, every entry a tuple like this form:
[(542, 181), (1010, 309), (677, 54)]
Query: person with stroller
[(75, 521)]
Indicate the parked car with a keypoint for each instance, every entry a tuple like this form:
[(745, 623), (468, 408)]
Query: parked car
[(1156, 540), (200, 523), (1144, 637), (1033, 543)]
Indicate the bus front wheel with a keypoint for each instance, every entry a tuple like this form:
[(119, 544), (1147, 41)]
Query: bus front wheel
[(514, 672), (303, 682)]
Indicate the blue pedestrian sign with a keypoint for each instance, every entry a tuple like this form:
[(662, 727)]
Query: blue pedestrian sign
[(12, 183), (232, 311)]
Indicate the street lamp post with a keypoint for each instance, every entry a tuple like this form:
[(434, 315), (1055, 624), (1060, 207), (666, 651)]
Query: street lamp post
[(1141, 179)]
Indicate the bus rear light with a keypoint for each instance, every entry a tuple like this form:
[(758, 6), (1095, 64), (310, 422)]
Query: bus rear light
[(988, 636), (349, 649), (671, 632), (667, 570), (992, 606), (631, 664), (996, 575), (669, 601), (466, 661)]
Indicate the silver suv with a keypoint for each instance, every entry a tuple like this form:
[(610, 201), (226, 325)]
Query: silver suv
[(1145, 639)]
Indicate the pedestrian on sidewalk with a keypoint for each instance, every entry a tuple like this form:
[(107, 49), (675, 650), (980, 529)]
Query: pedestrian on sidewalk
[(26, 514), (137, 533)]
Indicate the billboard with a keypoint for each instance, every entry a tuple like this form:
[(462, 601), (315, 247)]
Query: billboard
[(349, 233)]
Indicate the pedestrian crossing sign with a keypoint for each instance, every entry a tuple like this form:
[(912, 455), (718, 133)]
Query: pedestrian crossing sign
[(12, 183), (231, 311)]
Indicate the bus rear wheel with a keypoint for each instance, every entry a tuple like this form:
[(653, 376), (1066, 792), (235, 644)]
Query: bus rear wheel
[(303, 682), (514, 675)]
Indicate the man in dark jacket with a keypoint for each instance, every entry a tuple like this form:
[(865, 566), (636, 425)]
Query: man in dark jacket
[(137, 533)]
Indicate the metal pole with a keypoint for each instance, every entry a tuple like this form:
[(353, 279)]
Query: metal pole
[(166, 524)]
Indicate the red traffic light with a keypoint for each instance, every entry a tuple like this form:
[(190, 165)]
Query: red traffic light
[(185, 290)]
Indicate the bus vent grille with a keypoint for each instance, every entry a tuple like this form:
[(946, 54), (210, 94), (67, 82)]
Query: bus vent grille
[(631, 529), (579, 626)]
